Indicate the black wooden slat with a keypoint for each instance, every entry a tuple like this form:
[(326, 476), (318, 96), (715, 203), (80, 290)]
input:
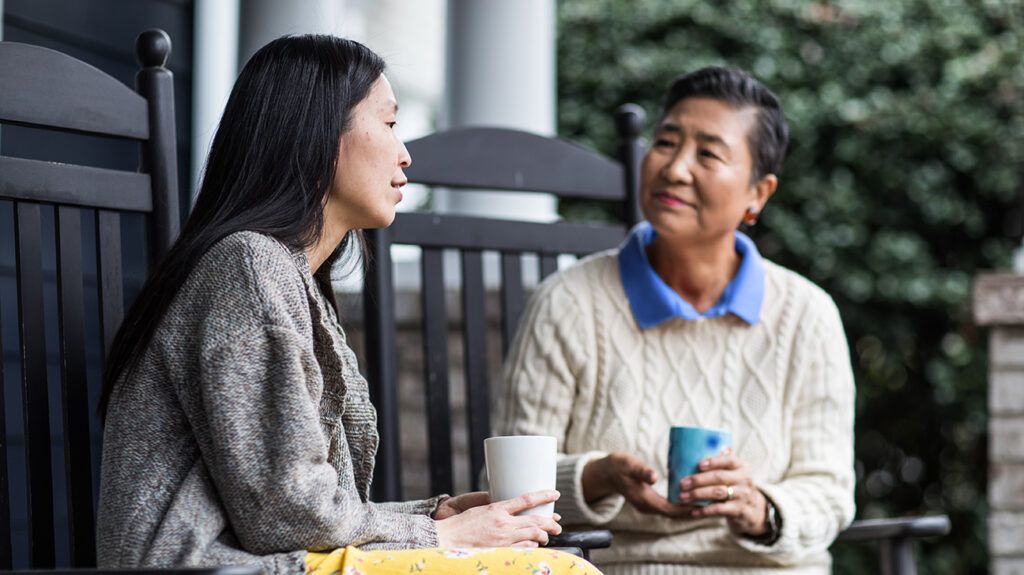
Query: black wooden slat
[(474, 336), (34, 393), (467, 232), (502, 159), (66, 184), (512, 297), (77, 458), (108, 271), (435, 372), (548, 265), (44, 87), (5, 500), (381, 365)]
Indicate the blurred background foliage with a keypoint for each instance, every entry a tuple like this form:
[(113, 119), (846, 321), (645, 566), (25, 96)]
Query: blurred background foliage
[(903, 180)]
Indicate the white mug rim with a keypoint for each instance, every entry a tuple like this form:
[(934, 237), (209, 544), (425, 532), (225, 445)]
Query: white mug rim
[(508, 437)]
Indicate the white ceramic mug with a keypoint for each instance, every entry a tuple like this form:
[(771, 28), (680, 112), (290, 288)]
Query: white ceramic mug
[(520, 464)]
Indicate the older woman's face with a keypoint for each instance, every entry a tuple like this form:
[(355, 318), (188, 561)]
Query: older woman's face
[(695, 179)]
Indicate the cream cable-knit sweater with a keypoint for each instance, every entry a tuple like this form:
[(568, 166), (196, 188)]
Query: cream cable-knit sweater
[(582, 371)]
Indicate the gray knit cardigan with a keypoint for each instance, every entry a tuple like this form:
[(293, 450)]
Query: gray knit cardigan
[(246, 434)]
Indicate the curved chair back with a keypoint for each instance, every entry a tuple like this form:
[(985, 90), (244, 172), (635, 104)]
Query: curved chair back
[(44, 89)]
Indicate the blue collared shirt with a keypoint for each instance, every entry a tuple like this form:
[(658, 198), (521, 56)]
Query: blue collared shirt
[(653, 302)]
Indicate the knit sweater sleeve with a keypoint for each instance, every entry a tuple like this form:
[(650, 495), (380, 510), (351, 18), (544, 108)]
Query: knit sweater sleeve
[(260, 437), (815, 497), (415, 507), (548, 367)]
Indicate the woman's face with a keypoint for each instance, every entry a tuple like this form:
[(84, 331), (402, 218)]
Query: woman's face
[(368, 176), (695, 179)]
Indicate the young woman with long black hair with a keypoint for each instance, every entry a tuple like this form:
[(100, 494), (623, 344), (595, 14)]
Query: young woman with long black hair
[(238, 429)]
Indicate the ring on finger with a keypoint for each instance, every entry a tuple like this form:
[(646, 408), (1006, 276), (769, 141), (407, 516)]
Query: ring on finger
[(728, 492)]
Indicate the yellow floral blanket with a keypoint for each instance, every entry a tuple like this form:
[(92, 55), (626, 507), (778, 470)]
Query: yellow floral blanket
[(504, 561)]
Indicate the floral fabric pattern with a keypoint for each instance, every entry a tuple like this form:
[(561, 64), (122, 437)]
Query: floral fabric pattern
[(478, 561)]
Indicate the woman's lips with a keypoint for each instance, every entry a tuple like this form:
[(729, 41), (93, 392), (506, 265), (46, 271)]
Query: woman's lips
[(670, 200), (397, 186)]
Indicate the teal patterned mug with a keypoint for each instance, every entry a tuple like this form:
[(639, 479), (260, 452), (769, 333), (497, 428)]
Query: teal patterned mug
[(687, 447)]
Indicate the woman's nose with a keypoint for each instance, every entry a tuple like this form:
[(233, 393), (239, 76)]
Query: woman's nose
[(677, 169), (404, 159)]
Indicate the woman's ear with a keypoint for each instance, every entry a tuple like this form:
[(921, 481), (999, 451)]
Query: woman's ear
[(763, 190)]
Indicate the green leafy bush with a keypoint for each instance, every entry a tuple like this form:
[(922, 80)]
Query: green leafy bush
[(901, 183)]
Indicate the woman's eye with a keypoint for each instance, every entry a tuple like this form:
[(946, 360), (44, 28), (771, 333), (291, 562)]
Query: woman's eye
[(392, 125), (663, 143), (709, 154)]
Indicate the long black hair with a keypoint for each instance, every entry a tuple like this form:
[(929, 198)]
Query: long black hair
[(270, 169)]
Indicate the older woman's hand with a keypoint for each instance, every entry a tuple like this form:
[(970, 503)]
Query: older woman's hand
[(626, 474), (726, 479)]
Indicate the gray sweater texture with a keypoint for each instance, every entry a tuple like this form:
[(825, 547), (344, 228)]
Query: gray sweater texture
[(246, 434)]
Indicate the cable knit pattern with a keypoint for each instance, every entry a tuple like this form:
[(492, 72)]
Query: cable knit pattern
[(246, 433), (581, 370)]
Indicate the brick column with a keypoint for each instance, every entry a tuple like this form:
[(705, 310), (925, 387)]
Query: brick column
[(999, 304)]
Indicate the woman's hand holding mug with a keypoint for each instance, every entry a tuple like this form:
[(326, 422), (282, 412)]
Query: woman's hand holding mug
[(470, 520), (726, 480)]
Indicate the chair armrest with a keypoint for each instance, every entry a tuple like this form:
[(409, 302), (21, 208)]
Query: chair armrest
[(900, 527), (225, 570), (597, 539)]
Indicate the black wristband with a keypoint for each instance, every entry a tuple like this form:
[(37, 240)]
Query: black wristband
[(774, 523)]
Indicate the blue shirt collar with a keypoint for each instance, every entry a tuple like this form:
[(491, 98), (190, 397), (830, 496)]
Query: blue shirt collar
[(653, 302)]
